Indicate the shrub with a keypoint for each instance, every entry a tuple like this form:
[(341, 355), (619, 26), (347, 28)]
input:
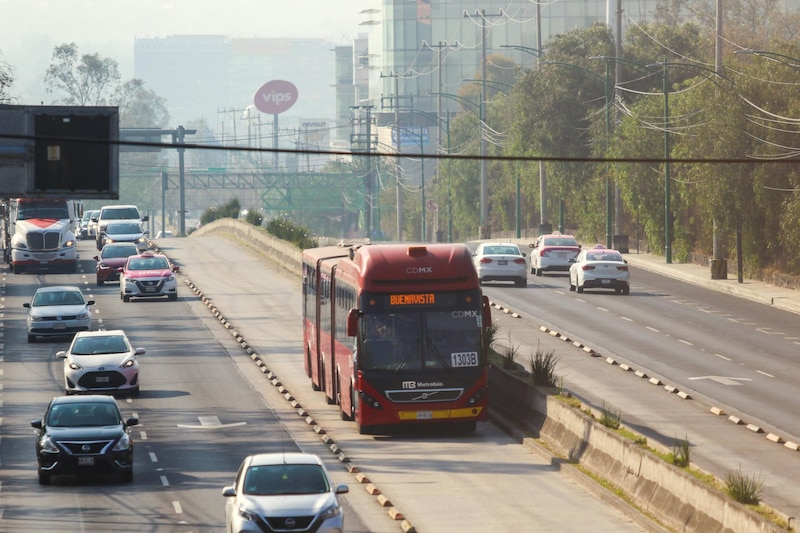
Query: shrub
[(680, 452), (610, 419), (289, 231), (543, 366), (742, 488)]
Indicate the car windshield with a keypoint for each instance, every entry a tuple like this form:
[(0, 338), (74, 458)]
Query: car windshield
[(284, 479), (110, 252), (120, 214), (148, 263), (84, 415), (99, 345), (57, 298), (118, 229)]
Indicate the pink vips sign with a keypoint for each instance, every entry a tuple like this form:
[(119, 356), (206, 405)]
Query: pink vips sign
[(275, 97)]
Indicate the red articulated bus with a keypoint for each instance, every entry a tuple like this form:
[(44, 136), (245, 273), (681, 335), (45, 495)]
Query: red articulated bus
[(397, 334)]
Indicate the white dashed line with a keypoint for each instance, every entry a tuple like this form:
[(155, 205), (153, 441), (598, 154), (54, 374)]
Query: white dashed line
[(765, 374), (177, 507), (722, 357), (654, 330), (164, 481), (153, 457), (685, 342), (626, 318)]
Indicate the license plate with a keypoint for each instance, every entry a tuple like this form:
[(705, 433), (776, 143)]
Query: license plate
[(424, 415), (561, 255), (85, 461), (502, 262), (59, 325), (101, 379), (150, 289), (605, 281)]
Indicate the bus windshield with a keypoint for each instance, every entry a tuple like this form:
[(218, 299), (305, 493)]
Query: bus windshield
[(414, 340)]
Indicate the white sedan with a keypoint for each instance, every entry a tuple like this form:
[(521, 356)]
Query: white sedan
[(101, 362), (599, 268), (58, 311), (501, 261)]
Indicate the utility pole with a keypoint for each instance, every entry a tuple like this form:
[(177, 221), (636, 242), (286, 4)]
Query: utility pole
[(359, 140), (484, 230)]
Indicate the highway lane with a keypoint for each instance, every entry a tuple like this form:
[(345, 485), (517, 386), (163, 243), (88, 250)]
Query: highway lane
[(199, 416), (438, 481), (724, 351), (687, 334)]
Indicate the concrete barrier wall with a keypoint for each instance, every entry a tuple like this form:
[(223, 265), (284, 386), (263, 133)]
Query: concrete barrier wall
[(672, 495), (675, 497)]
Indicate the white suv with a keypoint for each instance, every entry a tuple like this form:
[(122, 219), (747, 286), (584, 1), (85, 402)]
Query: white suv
[(124, 213)]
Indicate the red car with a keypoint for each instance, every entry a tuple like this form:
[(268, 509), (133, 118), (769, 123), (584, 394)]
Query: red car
[(111, 258)]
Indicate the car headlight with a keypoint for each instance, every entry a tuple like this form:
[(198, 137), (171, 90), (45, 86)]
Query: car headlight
[(331, 511), (128, 363), (74, 366), (109, 239), (171, 277), (47, 445), (69, 244), (84, 315), (247, 514), (123, 443), (126, 279), (141, 240)]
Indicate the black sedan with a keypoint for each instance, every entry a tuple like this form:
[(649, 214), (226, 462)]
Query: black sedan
[(84, 434)]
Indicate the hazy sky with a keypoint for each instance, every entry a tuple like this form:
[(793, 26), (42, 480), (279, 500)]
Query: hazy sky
[(30, 29)]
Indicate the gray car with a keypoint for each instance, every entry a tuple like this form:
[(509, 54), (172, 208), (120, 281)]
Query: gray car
[(288, 491), (58, 311)]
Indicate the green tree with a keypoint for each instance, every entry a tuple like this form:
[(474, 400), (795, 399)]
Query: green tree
[(85, 79)]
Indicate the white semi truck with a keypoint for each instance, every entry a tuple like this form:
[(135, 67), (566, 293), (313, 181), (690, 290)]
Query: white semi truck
[(40, 234)]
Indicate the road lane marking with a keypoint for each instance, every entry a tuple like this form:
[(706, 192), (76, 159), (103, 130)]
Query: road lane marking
[(765, 374)]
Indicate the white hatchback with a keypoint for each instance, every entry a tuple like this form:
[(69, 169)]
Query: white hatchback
[(101, 362)]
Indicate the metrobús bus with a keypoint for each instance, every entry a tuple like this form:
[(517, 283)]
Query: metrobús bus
[(397, 334)]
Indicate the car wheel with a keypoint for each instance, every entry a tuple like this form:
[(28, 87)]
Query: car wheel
[(31, 338), (44, 478), (522, 282), (135, 392), (100, 282), (127, 476), (172, 297), (626, 290), (126, 298)]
